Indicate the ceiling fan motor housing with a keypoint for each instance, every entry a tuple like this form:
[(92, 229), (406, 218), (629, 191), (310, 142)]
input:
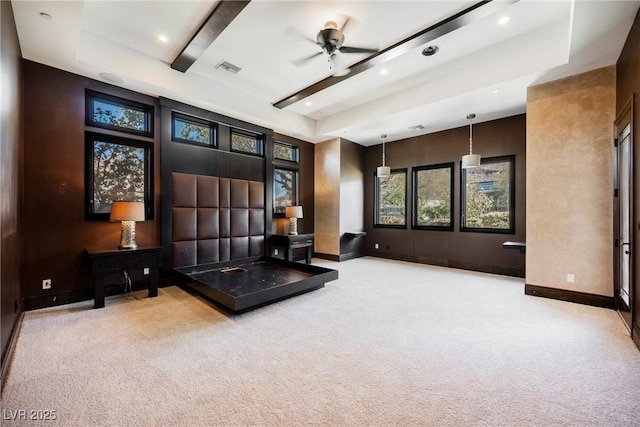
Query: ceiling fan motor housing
[(330, 39)]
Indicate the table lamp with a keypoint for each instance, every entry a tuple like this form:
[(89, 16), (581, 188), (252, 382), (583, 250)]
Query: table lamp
[(293, 213), (128, 213)]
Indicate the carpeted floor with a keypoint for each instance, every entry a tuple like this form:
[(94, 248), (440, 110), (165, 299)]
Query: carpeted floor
[(389, 343)]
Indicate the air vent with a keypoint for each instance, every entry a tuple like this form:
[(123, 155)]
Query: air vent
[(416, 127), (227, 66)]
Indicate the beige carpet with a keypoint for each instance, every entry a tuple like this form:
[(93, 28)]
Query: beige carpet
[(389, 343)]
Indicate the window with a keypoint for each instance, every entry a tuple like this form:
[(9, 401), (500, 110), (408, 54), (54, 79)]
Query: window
[(433, 197), (246, 142), (391, 200), (117, 169), (488, 196), (284, 151), (285, 189), (110, 112), (191, 130)]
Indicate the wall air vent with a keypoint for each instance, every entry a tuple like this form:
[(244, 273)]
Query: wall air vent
[(227, 66), (416, 127)]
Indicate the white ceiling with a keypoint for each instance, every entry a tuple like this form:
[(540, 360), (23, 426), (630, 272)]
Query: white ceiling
[(482, 67)]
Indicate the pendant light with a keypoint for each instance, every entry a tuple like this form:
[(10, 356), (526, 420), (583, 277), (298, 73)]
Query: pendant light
[(470, 160), (383, 171)]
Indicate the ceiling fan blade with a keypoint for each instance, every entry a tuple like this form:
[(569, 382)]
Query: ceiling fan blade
[(299, 34), (349, 49), (338, 66), (345, 23), (301, 61)]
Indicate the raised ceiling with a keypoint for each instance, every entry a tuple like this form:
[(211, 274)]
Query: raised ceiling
[(482, 66)]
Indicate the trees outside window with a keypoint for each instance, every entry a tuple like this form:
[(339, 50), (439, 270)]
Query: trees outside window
[(433, 197), (488, 196), (391, 200)]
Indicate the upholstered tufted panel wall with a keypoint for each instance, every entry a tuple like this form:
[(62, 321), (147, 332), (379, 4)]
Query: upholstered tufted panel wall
[(216, 219)]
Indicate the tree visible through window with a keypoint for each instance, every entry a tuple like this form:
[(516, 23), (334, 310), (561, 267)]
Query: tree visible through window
[(488, 196), (111, 112), (190, 130), (391, 196), (246, 142), (433, 197)]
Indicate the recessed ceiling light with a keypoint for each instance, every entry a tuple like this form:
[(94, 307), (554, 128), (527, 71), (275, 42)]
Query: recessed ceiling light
[(430, 50), (163, 38), (503, 20), (495, 91), (112, 78), (308, 103), (384, 71), (46, 16)]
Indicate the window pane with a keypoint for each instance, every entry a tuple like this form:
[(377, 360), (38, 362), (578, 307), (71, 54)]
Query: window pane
[(284, 189), (433, 197), (284, 151), (391, 199), (246, 143), (488, 196), (191, 131), (118, 174), (116, 115)]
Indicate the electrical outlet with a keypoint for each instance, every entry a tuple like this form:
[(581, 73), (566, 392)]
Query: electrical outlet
[(46, 284), (377, 246), (146, 270), (275, 252), (571, 278)]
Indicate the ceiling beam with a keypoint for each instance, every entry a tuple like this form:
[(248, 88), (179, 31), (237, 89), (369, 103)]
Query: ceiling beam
[(221, 16), (459, 20)]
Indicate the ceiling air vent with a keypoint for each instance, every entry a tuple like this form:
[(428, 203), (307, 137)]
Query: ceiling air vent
[(416, 127), (227, 66)]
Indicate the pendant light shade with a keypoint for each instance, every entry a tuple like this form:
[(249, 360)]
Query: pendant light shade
[(470, 160), (383, 171)]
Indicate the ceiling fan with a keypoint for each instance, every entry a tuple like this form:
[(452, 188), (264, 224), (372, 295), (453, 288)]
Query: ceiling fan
[(331, 41)]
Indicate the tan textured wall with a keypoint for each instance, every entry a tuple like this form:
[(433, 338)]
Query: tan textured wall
[(569, 182), (327, 197)]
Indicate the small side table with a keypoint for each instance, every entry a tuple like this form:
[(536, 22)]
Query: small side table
[(105, 262), (289, 242)]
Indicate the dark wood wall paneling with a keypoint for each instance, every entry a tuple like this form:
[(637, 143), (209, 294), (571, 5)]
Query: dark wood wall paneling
[(628, 83), (56, 232), (352, 164), (11, 224), (467, 250)]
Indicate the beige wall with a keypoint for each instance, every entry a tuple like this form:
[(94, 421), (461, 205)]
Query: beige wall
[(569, 182), (327, 197)]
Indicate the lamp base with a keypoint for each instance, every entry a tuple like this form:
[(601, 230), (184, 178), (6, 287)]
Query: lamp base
[(293, 229), (128, 235)]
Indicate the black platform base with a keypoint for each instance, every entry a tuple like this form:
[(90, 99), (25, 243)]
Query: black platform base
[(245, 287)]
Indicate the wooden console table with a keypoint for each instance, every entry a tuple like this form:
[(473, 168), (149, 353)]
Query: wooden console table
[(289, 242), (106, 262)]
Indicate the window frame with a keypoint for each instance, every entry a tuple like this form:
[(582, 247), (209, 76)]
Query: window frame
[(512, 196), (148, 110), (295, 192), (196, 121), (414, 196), (376, 198), (90, 139), (258, 136), (296, 151)]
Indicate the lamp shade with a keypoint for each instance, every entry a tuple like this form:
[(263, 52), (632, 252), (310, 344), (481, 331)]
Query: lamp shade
[(470, 161), (383, 171), (293, 212), (127, 211)]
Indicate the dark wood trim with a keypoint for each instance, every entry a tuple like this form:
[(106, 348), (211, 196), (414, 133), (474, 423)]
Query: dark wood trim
[(441, 262), (329, 257), (570, 296), (635, 335), (350, 255), (457, 21), (8, 353), (219, 19)]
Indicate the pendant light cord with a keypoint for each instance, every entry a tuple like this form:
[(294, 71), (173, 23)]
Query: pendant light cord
[(470, 117)]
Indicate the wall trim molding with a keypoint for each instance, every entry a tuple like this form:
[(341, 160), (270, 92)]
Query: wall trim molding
[(330, 257), (570, 296), (441, 262), (8, 354)]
